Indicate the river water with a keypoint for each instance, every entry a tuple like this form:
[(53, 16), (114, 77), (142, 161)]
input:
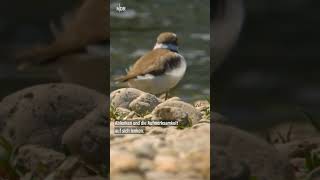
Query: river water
[(134, 32)]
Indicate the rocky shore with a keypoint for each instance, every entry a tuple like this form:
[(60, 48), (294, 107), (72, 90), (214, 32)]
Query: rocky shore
[(60, 131), (170, 152), (54, 131)]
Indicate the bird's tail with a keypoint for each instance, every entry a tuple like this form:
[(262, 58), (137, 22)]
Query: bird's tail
[(120, 79)]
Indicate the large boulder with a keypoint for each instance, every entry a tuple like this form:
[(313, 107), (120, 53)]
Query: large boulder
[(37, 160), (246, 150), (175, 110), (123, 97), (88, 137), (40, 114)]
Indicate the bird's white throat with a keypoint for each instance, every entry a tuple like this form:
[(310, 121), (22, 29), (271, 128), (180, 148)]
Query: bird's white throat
[(171, 47)]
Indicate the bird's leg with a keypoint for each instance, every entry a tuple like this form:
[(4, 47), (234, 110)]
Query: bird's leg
[(167, 95)]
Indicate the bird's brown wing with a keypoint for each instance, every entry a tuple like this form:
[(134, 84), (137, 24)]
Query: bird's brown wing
[(155, 62), (87, 26)]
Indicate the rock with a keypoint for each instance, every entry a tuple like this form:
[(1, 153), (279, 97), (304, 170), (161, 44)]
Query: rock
[(37, 160), (144, 148), (90, 178), (123, 97), (127, 176), (299, 166), (174, 99), (163, 153), (165, 163), (40, 114), (298, 131), (87, 137), (144, 104), (155, 175), (224, 167), (299, 148), (171, 113), (201, 105), (218, 118), (146, 165), (71, 168), (27, 176), (122, 161), (195, 156), (204, 121), (193, 114), (262, 159)]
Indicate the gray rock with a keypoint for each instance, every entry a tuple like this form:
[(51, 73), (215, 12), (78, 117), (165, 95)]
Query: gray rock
[(65, 170), (299, 148), (156, 175), (40, 114), (144, 148), (27, 176), (144, 104), (262, 159), (123, 97), (218, 118), (299, 165), (37, 160), (193, 114), (174, 99), (88, 137), (90, 178), (146, 165), (200, 138), (127, 176), (171, 113), (298, 131), (122, 161), (163, 153), (224, 167)]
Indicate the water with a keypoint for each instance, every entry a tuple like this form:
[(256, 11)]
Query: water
[(134, 32)]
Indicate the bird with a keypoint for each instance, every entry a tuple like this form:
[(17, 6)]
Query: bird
[(79, 51), (227, 19), (160, 69)]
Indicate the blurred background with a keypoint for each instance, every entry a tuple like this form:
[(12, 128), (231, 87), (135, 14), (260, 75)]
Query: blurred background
[(134, 32), (273, 69), (22, 25)]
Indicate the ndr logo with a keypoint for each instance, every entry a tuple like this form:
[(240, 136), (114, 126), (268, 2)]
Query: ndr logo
[(121, 8)]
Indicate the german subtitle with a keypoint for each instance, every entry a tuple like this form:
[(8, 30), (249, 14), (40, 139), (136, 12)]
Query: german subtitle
[(129, 130), (123, 127)]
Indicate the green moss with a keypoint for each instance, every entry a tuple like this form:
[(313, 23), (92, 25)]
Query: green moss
[(7, 155), (253, 178), (312, 161), (115, 114), (182, 126)]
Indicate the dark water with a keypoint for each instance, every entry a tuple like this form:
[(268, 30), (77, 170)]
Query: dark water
[(274, 68), (134, 32)]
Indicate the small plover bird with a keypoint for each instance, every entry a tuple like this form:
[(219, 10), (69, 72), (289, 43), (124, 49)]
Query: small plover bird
[(160, 69)]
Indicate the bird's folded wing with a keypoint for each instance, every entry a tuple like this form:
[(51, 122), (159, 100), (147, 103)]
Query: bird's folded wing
[(154, 66)]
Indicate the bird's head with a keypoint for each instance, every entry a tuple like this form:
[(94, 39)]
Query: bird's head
[(167, 40)]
